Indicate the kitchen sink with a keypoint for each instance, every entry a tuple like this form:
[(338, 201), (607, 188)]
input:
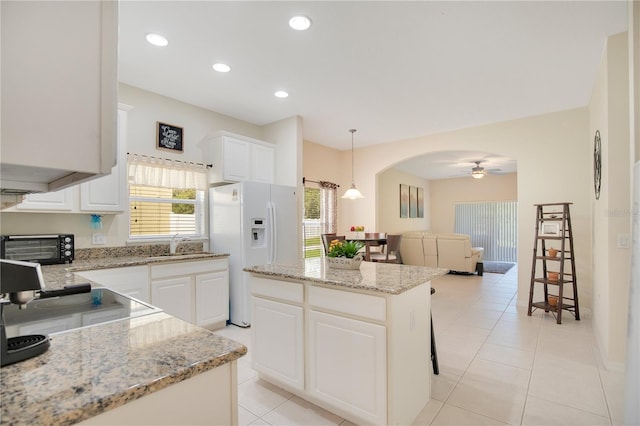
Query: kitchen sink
[(194, 255)]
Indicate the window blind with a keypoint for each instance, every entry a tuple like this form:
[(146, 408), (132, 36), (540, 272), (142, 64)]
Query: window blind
[(492, 225)]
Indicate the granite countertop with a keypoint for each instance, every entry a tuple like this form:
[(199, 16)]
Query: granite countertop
[(57, 276), (90, 370), (381, 277)]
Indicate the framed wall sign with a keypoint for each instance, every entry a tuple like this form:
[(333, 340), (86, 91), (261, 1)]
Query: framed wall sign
[(169, 137)]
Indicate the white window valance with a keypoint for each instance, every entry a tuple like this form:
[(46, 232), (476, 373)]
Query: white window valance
[(161, 172)]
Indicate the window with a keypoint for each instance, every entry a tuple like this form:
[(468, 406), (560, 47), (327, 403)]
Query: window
[(311, 226), (166, 197), (320, 213), (161, 212)]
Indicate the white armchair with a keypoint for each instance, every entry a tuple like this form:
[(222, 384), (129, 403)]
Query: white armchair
[(456, 254)]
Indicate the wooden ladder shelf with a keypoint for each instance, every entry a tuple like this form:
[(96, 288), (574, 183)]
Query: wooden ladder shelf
[(553, 224)]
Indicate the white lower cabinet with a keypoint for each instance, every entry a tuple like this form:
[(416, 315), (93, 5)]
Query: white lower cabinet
[(361, 355), (194, 291), (132, 281), (173, 296), (278, 341), (212, 298), (50, 326), (348, 365)]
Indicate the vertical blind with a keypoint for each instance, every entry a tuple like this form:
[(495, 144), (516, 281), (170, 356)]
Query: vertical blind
[(492, 225)]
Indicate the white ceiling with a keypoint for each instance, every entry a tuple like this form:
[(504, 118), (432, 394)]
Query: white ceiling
[(393, 70)]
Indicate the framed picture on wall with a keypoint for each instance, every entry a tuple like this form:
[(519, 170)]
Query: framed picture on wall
[(420, 202), (413, 201), (169, 137), (404, 200)]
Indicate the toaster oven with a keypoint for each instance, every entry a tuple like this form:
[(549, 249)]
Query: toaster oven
[(43, 249)]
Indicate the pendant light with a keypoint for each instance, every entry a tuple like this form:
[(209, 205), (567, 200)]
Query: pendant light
[(352, 193)]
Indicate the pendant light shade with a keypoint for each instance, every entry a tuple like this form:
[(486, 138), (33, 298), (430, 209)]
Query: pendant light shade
[(352, 193)]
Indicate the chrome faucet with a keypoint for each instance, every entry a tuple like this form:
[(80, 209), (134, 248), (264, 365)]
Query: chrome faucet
[(173, 244)]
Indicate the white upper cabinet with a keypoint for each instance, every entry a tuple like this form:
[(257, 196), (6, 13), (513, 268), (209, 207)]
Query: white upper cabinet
[(237, 158), (263, 162), (59, 92), (55, 201), (109, 193), (106, 194)]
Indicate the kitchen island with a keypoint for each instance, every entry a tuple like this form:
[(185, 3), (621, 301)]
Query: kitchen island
[(147, 369), (355, 342)]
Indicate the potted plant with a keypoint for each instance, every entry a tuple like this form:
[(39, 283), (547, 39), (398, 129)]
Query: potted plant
[(344, 254)]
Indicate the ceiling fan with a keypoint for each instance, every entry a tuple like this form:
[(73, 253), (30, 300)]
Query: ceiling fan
[(478, 171)]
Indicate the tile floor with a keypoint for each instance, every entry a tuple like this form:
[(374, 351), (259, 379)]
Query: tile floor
[(497, 366)]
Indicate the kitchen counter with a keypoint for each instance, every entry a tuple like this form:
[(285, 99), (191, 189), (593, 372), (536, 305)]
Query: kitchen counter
[(91, 370), (57, 276), (379, 277), (357, 342)]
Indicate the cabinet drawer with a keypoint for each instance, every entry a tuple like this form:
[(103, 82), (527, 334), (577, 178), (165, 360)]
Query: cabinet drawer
[(185, 267), (283, 290), (362, 305)]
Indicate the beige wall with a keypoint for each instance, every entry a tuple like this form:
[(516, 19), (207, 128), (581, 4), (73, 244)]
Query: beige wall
[(322, 163), (609, 113), (388, 216), (445, 193), (554, 165)]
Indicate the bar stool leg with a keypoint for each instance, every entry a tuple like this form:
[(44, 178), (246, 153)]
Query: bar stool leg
[(434, 354)]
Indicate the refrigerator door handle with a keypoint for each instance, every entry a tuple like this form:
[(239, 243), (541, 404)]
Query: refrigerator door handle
[(273, 234)]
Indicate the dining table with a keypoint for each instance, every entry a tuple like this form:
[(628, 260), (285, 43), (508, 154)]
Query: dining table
[(370, 242)]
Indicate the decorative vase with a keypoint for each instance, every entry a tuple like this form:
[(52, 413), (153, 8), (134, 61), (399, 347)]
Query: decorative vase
[(552, 252), (344, 262)]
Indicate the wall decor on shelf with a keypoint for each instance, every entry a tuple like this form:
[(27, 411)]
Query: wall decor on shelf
[(169, 137), (404, 200), (550, 229)]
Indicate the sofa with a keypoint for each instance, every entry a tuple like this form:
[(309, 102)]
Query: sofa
[(446, 250)]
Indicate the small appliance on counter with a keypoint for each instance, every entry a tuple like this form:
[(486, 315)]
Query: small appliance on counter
[(19, 280), (43, 249)]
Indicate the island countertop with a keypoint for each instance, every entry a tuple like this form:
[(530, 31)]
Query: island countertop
[(90, 370), (380, 277)]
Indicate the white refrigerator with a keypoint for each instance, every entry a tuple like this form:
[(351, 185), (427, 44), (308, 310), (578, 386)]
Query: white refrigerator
[(256, 223)]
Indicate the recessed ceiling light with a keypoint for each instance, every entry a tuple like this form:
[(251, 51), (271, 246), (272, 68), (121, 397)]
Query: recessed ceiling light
[(221, 67), (157, 40), (300, 23), (281, 94)]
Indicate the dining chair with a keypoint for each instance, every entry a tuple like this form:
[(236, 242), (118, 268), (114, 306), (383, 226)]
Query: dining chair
[(377, 247), (391, 252)]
